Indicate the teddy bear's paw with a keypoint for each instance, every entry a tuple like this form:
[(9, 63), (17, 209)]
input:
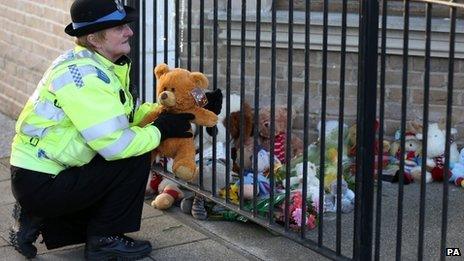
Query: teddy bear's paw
[(161, 203), (185, 173), (212, 122)]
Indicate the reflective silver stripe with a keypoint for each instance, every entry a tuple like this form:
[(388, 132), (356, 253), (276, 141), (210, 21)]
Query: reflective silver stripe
[(33, 131), (47, 110), (119, 145), (71, 55), (85, 54), (66, 57), (67, 77), (104, 128)]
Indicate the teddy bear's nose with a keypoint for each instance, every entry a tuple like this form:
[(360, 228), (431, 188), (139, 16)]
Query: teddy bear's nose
[(164, 96)]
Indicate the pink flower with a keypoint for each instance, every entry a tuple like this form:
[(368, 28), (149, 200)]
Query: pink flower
[(315, 204), (296, 214), (311, 221)]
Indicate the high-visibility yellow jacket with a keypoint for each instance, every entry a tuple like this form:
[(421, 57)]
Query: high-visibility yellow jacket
[(81, 107)]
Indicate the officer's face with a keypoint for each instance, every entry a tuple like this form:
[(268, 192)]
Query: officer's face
[(116, 42)]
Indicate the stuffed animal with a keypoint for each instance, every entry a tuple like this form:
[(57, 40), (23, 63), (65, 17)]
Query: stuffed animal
[(436, 140), (312, 180), (412, 159), (235, 126), (352, 147), (351, 138), (180, 91), (168, 192), (457, 176), (280, 133), (331, 141), (195, 205), (347, 198), (234, 108), (263, 187)]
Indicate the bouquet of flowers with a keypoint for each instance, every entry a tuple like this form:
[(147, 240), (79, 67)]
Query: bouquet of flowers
[(295, 210)]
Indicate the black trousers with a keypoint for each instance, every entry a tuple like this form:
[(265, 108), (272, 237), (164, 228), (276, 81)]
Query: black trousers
[(98, 199)]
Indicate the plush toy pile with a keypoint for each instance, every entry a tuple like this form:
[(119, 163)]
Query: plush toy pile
[(388, 163), (176, 85)]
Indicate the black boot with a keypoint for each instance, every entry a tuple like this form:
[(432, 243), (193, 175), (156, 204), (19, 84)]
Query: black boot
[(119, 247), (25, 232)]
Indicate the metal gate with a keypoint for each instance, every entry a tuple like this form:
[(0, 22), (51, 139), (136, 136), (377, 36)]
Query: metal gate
[(315, 53)]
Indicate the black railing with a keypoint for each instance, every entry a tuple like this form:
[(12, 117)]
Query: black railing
[(365, 229)]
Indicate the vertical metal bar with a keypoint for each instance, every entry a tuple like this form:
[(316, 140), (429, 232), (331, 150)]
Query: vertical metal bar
[(189, 35), (449, 111), (242, 97), (378, 213), (256, 111), (420, 247), (404, 91), (323, 119), (215, 72), (357, 200), (305, 116), (340, 130), (177, 44), (201, 68), (228, 45), (202, 38), (143, 63), (365, 135), (166, 33), (289, 114), (135, 48), (155, 42), (272, 116)]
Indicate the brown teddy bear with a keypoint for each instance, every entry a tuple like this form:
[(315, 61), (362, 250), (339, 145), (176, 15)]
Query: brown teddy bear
[(180, 91), (247, 135), (279, 134)]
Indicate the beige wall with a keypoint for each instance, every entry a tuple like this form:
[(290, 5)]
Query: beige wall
[(31, 36)]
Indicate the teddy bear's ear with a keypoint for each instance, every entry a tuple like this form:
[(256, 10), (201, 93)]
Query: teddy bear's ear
[(281, 112), (160, 70), (199, 79)]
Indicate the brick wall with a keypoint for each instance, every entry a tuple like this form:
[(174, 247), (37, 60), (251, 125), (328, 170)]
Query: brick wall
[(31, 36), (393, 82)]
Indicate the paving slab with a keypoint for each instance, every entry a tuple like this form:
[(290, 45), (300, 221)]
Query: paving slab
[(6, 135), (6, 220), (3, 242), (4, 173), (250, 239), (5, 161), (71, 254), (165, 231), (76, 253), (149, 211), (6, 195), (201, 250), (9, 253)]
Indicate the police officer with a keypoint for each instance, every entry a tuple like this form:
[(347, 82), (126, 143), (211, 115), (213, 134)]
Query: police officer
[(79, 162)]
